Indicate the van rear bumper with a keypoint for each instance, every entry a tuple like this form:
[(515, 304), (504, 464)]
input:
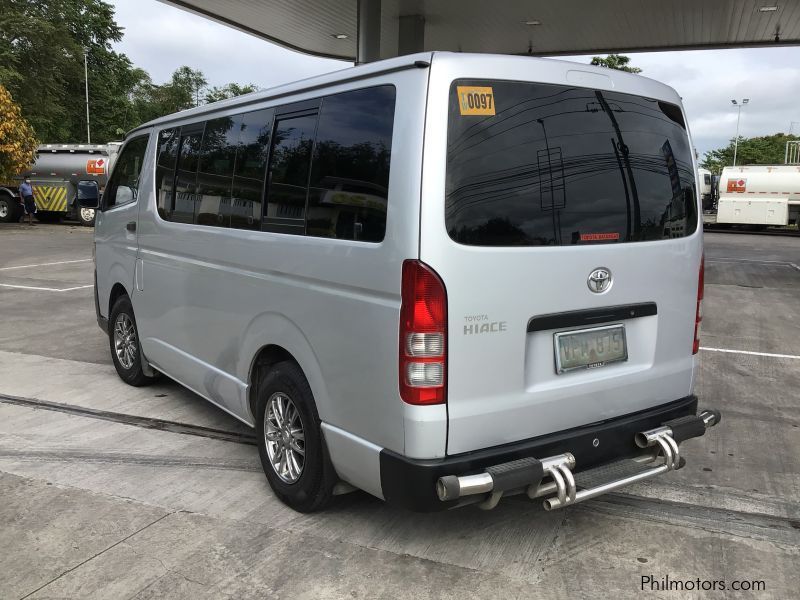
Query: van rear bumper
[(411, 483)]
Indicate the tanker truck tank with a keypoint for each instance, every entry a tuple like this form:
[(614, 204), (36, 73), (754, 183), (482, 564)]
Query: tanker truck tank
[(55, 175)]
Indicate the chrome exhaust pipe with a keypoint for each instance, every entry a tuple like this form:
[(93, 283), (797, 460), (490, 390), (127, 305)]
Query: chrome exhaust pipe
[(709, 418), (452, 487), (661, 437), (559, 468), (582, 495), (645, 439), (529, 474), (496, 479)]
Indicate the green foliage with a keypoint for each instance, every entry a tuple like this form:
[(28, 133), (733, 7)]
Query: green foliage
[(17, 142), (184, 88), (181, 92), (42, 46), (765, 150), (615, 61), (215, 94)]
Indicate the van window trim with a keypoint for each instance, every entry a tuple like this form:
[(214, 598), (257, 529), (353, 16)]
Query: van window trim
[(285, 116), (191, 129), (103, 207)]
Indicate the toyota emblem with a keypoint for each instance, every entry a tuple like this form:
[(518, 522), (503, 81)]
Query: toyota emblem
[(599, 280)]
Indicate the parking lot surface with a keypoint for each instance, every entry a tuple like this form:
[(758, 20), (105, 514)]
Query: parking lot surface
[(110, 491)]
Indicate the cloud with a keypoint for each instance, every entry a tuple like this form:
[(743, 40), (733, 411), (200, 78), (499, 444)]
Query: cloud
[(161, 38)]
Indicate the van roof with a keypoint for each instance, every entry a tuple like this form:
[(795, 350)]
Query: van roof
[(641, 84), (300, 86)]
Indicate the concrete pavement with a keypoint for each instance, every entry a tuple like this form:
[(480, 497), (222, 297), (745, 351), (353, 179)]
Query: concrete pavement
[(110, 491)]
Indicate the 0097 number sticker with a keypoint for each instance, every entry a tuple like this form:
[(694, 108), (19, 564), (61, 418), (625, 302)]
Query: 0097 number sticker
[(474, 100)]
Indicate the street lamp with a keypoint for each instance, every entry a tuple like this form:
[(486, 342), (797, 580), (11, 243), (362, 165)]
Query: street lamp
[(738, 105), (86, 79)]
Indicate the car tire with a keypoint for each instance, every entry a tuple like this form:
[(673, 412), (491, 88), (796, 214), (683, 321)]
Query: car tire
[(309, 488), (86, 216), (123, 338), (9, 209)]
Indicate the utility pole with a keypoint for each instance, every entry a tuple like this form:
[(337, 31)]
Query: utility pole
[(738, 105), (86, 79)]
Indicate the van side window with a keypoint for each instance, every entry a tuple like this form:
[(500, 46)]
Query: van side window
[(288, 174), (186, 175), (254, 132), (165, 171), (123, 187), (215, 175), (350, 170)]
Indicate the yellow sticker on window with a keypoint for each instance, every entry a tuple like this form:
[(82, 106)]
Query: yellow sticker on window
[(474, 100)]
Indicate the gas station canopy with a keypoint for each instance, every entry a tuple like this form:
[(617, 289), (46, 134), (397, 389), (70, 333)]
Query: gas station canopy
[(366, 30)]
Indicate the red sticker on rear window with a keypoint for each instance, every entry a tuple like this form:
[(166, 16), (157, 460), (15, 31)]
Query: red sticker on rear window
[(598, 237)]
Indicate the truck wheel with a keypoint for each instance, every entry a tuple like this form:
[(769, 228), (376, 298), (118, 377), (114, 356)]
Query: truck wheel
[(124, 339), (9, 209), (290, 443), (86, 216)]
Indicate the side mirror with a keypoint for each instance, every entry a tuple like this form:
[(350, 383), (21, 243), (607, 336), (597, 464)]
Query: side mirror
[(88, 194)]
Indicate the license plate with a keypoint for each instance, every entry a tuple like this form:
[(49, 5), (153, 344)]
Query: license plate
[(590, 348)]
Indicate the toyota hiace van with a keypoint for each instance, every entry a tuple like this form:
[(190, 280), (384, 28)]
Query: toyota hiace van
[(441, 278)]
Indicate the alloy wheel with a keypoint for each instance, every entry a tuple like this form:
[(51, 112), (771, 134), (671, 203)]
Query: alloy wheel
[(285, 437), (125, 342)]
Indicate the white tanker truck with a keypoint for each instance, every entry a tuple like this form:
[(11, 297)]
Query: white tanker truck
[(55, 175), (705, 178), (759, 195)]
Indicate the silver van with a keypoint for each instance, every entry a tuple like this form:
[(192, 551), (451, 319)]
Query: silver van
[(441, 278)]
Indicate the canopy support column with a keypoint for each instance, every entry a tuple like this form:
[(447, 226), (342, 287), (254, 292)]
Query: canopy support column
[(369, 31), (411, 35)]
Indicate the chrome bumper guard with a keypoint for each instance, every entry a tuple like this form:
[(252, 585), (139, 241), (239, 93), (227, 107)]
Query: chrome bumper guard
[(552, 478)]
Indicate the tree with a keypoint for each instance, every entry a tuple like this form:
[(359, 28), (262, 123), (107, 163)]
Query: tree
[(187, 82), (615, 61), (765, 150), (42, 49), (182, 91), (17, 141), (42, 46), (231, 90)]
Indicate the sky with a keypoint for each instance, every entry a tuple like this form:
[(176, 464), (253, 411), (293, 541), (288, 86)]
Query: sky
[(160, 38)]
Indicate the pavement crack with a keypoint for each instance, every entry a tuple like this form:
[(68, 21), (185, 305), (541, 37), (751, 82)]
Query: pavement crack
[(167, 570), (133, 420), (66, 455), (114, 545), (734, 523)]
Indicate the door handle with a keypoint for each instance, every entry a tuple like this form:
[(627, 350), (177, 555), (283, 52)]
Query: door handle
[(131, 226)]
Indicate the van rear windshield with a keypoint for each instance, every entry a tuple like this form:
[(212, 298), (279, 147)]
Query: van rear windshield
[(535, 164)]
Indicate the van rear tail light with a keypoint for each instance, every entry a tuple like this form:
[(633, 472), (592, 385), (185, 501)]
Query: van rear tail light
[(424, 344), (698, 316), (423, 335)]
